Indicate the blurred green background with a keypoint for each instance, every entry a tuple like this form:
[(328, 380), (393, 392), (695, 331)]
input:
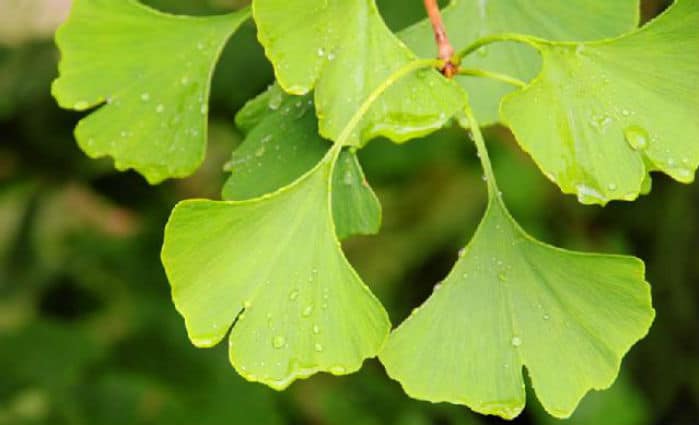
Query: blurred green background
[(88, 334)]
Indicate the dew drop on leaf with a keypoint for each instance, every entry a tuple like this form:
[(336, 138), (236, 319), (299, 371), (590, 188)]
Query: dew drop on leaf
[(293, 294), (516, 341), (318, 347), (636, 136), (278, 341), (316, 329), (145, 97), (337, 369), (307, 311)]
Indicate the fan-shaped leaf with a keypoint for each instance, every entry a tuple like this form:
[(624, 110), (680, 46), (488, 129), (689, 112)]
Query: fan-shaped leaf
[(601, 115), (275, 264), (153, 70), (512, 301)]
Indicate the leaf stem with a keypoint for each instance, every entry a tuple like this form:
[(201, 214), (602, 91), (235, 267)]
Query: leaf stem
[(444, 47), (482, 150), (494, 38), (493, 76), (380, 89)]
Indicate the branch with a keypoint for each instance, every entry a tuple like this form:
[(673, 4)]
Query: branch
[(445, 49)]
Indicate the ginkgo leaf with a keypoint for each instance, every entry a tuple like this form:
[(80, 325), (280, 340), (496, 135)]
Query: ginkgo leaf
[(152, 70), (601, 115), (512, 301), (344, 50), (356, 209), (468, 20), (281, 144), (273, 268)]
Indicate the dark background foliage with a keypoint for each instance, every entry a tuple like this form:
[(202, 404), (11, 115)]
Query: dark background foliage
[(88, 334)]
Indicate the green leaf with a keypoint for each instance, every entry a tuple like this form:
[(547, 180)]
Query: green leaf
[(153, 70), (281, 144), (512, 301), (273, 268), (356, 209), (602, 115), (468, 20), (344, 50)]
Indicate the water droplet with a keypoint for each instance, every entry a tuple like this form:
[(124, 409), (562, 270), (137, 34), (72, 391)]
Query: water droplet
[(204, 109), (502, 277), (160, 108), (585, 193), (145, 97), (293, 294), (546, 317), (81, 104), (316, 329), (636, 137), (307, 311), (200, 46), (318, 347), (184, 80), (278, 341), (247, 304), (611, 187), (482, 52), (437, 287), (260, 151), (516, 341), (321, 52), (600, 122), (462, 252), (275, 100), (337, 370), (331, 56), (347, 178), (625, 112)]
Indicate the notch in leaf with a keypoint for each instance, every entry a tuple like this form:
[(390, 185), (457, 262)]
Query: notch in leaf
[(150, 73)]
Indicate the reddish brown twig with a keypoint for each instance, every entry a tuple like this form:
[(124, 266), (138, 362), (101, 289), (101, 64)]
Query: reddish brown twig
[(445, 50)]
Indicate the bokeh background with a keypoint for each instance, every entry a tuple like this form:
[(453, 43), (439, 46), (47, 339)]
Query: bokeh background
[(88, 334)]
